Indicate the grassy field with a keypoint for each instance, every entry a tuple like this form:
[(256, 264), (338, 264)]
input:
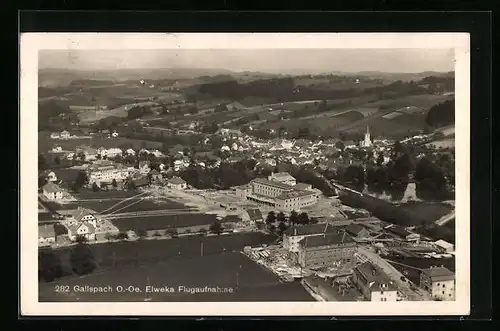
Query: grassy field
[(162, 222), (123, 254), (248, 281)]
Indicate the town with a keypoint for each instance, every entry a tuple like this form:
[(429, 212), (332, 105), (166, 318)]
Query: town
[(361, 210)]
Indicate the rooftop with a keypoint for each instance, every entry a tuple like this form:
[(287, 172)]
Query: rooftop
[(255, 214), (326, 239), (51, 188), (355, 229), (302, 186), (310, 229), (439, 273), (264, 181), (80, 212), (282, 175), (176, 181), (294, 194), (374, 276)]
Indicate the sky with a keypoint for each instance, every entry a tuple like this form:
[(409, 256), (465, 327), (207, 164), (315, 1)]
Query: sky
[(285, 61)]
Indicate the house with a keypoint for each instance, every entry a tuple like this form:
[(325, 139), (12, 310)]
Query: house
[(50, 176), (104, 171), (65, 135), (357, 231), (444, 246), (130, 151), (114, 134), (52, 191), (439, 282), (374, 283), (178, 165), (84, 229), (176, 183), (113, 152), (57, 149), (157, 153), (255, 215), (144, 167), (46, 234), (84, 215), (54, 135)]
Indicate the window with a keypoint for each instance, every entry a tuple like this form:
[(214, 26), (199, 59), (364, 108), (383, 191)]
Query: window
[(437, 284), (443, 292), (443, 285)]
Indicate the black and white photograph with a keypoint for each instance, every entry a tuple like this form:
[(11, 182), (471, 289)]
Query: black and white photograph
[(245, 174)]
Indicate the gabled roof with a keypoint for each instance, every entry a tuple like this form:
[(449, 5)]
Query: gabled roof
[(176, 181), (439, 273), (310, 229), (355, 229), (255, 214), (75, 226), (375, 277), (52, 188), (79, 213), (326, 240)]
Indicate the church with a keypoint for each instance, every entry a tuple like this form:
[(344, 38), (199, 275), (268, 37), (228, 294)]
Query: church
[(367, 142)]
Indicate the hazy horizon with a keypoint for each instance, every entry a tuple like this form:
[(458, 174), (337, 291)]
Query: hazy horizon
[(275, 61)]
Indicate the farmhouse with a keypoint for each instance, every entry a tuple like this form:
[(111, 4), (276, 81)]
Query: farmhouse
[(374, 283), (176, 183), (52, 191), (83, 229), (46, 234), (84, 215), (439, 282)]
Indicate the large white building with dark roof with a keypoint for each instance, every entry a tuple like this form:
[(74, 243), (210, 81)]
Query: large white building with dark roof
[(439, 282), (374, 283), (277, 192)]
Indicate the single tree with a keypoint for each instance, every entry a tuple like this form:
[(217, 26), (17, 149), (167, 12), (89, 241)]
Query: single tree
[(271, 217), (293, 218), (114, 183), (81, 239), (82, 259), (282, 227), (122, 236), (95, 188), (303, 218)]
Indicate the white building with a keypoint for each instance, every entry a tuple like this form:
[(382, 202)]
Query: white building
[(375, 285), (57, 149), (176, 183), (52, 191), (104, 171), (444, 246), (113, 152), (83, 229), (130, 151), (367, 142), (51, 177), (439, 282), (55, 135), (65, 135)]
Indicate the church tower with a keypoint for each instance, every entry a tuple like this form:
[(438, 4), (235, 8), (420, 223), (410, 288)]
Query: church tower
[(367, 142)]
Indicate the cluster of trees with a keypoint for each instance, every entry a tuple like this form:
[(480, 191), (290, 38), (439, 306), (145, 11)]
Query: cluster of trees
[(54, 115), (432, 178), (137, 112), (285, 89), (223, 177), (285, 222), (81, 258), (441, 114)]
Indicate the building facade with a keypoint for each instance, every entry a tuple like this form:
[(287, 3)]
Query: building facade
[(439, 282), (277, 194), (106, 171), (176, 183), (326, 250), (294, 235), (374, 283), (52, 192)]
